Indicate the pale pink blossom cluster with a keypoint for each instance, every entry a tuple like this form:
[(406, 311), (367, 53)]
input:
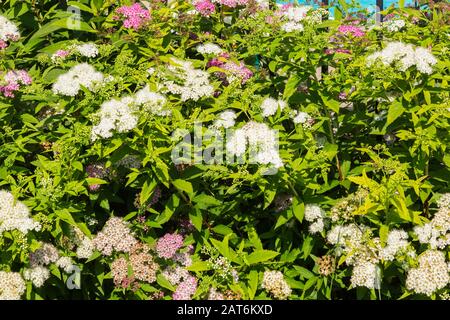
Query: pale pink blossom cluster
[(205, 7), (352, 30), (232, 3), (185, 289), (135, 16), (13, 80), (168, 245), (115, 236), (236, 71)]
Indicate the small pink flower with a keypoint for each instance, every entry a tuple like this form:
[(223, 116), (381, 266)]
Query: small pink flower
[(135, 16), (167, 246), (62, 53), (352, 30), (185, 289), (13, 80), (205, 7)]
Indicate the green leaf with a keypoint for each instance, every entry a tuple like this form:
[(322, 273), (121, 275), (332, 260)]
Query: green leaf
[(303, 272), (395, 110), (222, 246), (198, 266), (169, 209), (258, 256), (197, 219), (427, 96), (330, 103), (147, 190), (298, 209), (222, 229), (252, 284), (183, 186), (206, 200), (291, 86), (163, 282), (273, 66)]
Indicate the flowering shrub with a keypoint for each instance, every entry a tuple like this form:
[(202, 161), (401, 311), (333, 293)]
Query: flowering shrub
[(223, 150)]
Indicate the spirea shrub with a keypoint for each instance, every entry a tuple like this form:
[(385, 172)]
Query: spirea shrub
[(223, 150)]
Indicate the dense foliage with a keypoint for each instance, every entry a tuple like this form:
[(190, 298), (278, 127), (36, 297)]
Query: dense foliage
[(340, 126)]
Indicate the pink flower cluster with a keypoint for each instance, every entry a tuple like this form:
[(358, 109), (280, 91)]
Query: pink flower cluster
[(205, 7), (236, 70), (185, 289), (232, 3), (167, 246), (62, 53), (10, 37), (135, 16), (12, 81), (352, 30)]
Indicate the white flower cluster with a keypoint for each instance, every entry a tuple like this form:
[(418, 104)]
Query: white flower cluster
[(122, 115), (38, 275), (397, 241), (65, 263), (14, 215), (225, 119), (8, 30), (194, 83), (152, 102), (315, 215), (394, 25), (437, 232), (351, 239), (303, 118), (89, 49), (83, 74), (274, 283), (364, 252), (406, 55), (12, 286), (366, 274), (175, 274), (209, 48), (292, 26), (115, 115), (297, 13), (42, 257), (262, 144), (444, 201), (85, 248), (270, 106), (294, 15), (431, 275), (348, 236)]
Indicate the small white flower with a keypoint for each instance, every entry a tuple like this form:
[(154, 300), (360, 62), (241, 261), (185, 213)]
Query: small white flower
[(209, 48), (83, 74), (270, 106), (89, 50)]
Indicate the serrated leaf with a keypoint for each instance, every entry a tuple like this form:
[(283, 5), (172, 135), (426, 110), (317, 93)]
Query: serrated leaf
[(395, 110), (258, 256), (163, 282), (196, 219)]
